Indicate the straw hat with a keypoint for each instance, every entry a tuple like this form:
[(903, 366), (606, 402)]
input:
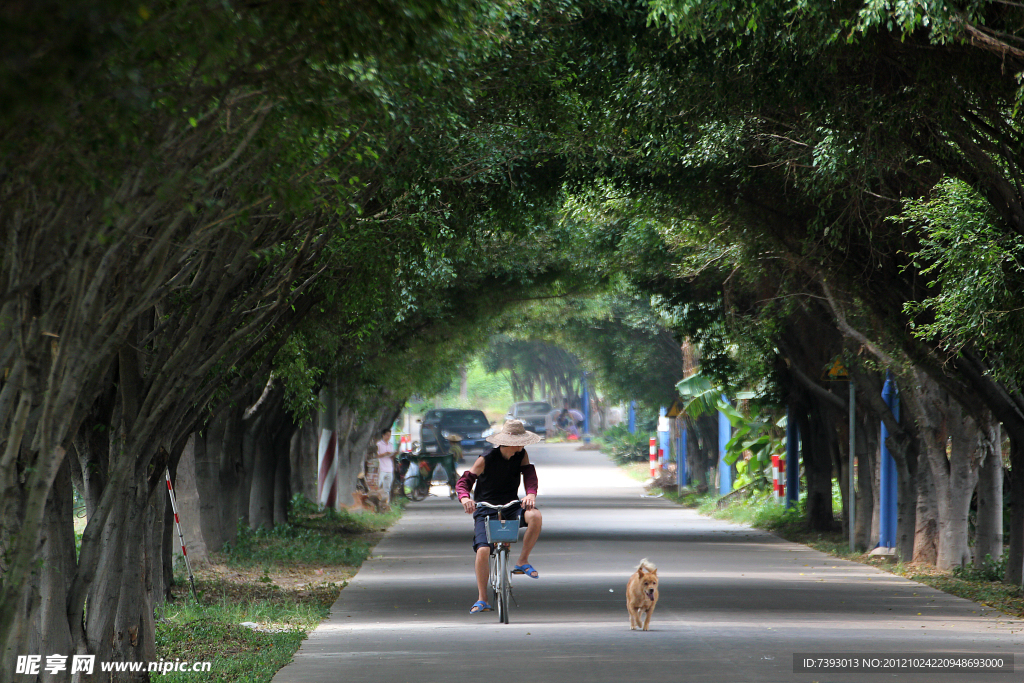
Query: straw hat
[(513, 433)]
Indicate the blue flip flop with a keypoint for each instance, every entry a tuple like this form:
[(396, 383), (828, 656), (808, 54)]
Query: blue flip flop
[(480, 606), (526, 569)]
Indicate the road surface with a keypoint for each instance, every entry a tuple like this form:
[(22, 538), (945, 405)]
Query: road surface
[(736, 604)]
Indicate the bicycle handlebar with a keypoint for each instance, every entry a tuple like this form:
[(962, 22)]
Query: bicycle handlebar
[(498, 507)]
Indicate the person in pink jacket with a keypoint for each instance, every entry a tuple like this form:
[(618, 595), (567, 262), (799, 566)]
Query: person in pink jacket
[(495, 476)]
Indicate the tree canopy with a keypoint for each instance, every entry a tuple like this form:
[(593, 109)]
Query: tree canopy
[(198, 196)]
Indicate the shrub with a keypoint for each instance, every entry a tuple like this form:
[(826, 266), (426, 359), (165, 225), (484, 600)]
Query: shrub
[(624, 447), (990, 570)]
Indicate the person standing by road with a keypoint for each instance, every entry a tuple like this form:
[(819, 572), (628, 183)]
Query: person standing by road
[(496, 477), (385, 457)]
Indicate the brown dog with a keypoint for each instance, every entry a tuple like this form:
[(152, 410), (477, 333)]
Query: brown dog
[(642, 595)]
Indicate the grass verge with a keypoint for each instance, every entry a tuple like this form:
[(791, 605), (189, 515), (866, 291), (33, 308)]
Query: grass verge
[(983, 586), (280, 583)]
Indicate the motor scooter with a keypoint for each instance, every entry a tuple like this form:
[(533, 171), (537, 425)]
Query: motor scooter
[(418, 471)]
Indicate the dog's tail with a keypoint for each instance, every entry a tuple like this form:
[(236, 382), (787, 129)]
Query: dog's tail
[(646, 565)]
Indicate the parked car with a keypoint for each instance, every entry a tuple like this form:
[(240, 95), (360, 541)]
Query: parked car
[(533, 413), (429, 423), (470, 425)]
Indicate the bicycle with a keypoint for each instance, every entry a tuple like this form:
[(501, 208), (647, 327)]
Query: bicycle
[(501, 534)]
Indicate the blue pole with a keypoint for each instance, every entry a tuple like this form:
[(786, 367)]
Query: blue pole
[(682, 460), (632, 417), (586, 408), (887, 497), (792, 460), (724, 469)]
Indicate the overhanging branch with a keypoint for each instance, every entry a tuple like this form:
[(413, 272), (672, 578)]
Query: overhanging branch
[(849, 331)]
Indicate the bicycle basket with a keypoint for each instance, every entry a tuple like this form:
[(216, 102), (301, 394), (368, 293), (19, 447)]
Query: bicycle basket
[(502, 530)]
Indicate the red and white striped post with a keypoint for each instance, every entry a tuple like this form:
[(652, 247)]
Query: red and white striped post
[(181, 536), (327, 453), (327, 469), (654, 457), (778, 477)]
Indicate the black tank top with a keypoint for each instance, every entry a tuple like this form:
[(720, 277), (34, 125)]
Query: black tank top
[(499, 484)]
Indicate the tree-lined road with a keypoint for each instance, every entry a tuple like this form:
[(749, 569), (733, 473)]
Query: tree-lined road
[(735, 606)]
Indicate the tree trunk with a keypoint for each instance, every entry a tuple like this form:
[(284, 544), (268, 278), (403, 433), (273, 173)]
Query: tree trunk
[(57, 563), (600, 415), (282, 467), (1006, 407), (515, 385), (964, 460), (234, 477), (464, 385), (694, 455), (207, 454), (169, 545), (925, 399), (261, 477), (157, 578), (357, 432), (903, 446), (55, 348), (906, 472), (248, 433), (119, 619), (926, 531), (988, 540), (190, 507), (867, 446), (125, 633), (302, 468), (876, 478), (817, 461), (354, 438), (842, 460), (807, 345), (1016, 549), (952, 448), (219, 478)]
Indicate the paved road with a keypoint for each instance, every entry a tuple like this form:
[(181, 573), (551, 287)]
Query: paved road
[(736, 603)]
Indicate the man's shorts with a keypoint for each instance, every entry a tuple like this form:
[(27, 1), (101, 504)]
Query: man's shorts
[(480, 525)]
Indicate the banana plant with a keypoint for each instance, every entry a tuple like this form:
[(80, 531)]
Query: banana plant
[(757, 436), (700, 396)]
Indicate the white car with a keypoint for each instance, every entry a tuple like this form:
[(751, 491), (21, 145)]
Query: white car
[(533, 413)]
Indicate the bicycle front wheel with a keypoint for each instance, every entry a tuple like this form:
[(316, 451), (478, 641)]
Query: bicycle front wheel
[(504, 585), (492, 581)]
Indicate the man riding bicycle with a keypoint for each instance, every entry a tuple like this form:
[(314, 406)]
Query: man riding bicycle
[(496, 475)]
